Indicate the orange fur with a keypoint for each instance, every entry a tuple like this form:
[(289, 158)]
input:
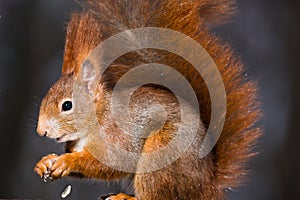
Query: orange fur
[(190, 17), (225, 166)]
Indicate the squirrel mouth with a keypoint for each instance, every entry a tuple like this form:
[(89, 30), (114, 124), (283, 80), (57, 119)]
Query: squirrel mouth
[(59, 139)]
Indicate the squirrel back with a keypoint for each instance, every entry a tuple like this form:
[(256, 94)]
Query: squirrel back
[(194, 18)]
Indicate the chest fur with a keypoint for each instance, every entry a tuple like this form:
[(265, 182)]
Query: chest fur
[(75, 146)]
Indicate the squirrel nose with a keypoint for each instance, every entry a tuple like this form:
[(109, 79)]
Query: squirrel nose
[(42, 129)]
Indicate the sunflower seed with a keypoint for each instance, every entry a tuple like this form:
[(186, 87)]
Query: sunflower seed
[(66, 191)]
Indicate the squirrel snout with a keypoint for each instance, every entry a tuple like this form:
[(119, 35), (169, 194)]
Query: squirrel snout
[(42, 129)]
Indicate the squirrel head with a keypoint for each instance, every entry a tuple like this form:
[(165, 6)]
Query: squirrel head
[(56, 112), (69, 106), (56, 117)]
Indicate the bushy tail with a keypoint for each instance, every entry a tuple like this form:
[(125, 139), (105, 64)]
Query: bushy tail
[(104, 18)]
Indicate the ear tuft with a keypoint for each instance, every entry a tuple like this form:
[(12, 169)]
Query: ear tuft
[(83, 35)]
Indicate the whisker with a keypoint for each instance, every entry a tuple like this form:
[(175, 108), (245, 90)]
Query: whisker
[(37, 101), (36, 98), (31, 119)]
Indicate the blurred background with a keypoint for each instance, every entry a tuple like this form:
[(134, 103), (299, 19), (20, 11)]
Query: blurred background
[(32, 34)]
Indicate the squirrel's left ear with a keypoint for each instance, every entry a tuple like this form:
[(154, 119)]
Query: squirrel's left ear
[(87, 77)]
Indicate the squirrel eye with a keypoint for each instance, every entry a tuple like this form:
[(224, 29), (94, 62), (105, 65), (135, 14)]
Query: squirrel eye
[(67, 105)]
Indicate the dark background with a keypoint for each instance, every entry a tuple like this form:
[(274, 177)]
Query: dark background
[(265, 33)]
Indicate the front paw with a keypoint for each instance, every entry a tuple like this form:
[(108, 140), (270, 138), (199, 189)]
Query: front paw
[(42, 168), (119, 196), (52, 167), (62, 167)]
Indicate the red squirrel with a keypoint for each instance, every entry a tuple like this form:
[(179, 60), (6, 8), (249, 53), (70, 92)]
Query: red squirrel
[(189, 176)]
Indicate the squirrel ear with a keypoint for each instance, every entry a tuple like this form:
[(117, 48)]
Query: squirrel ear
[(88, 76)]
